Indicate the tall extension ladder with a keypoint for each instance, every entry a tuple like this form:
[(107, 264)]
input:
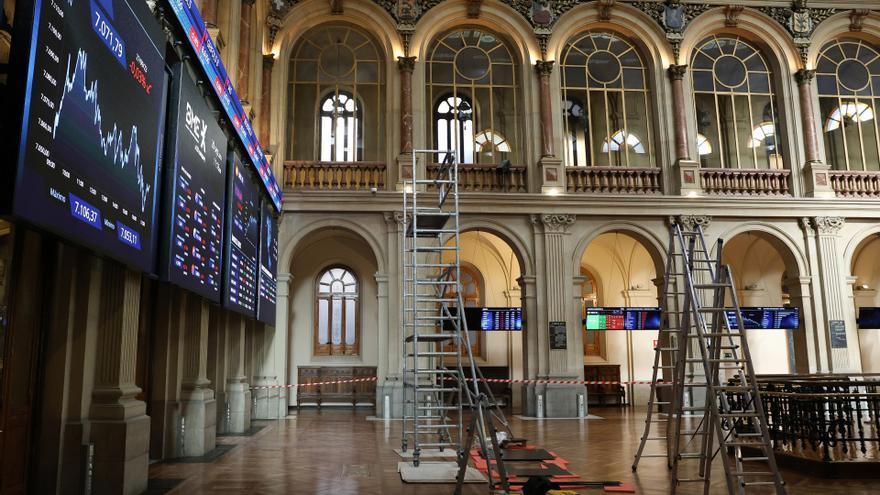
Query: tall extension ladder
[(435, 332), (714, 394)]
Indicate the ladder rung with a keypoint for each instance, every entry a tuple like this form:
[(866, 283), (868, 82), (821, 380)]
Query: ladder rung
[(653, 455), (753, 459), (711, 285), (413, 418), (442, 425), (752, 473), (432, 354), (436, 372), (745, 414), (437, 408), (758, 483), (438, 444), (438, 390), (691, 455)]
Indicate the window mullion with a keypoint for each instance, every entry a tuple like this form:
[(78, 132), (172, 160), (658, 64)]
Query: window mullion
[(858, 123)]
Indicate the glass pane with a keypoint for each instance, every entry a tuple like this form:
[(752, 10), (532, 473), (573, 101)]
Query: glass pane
[(832, 132), (336, 321), (707, 126), (323, 321), (598, 127), (347, 277), (575, 77), (869, 137), (744, 132), (852, 135), (633, 79), (350, 319), (367, 72), (638, 126)]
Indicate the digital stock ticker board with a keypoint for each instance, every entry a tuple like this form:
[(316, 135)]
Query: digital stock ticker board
[(94, 111), (243, 232), (196, 185), (268, 265)]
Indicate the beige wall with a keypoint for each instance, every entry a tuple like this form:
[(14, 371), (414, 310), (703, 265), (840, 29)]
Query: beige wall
[(866, 270)]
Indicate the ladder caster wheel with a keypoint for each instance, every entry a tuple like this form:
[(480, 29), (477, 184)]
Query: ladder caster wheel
[(634, 468)]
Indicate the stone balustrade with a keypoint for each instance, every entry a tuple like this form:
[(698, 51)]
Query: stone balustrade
[(334, 176), (487, 178), (613, 180), (745, 182), (855, 184)]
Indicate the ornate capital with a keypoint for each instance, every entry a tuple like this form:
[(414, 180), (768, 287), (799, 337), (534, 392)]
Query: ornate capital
[(406, 64), (804, 76), (274, 23), (544, 67), (676, 72), (807, 225), (828, 225), (690, 222), (604, 7), (557, 222), (731, 15), (856, 18)]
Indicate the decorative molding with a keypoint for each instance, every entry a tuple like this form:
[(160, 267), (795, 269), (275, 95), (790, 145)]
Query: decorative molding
[(544, 67), (604, 7), (473, 8), (731, 15), (274, 23), (690, 222), (799, 20), (676, 72), (807, 225), (804, 76), (406, 64), (857, 18), (557, 222), (337, 7), (828, 225)]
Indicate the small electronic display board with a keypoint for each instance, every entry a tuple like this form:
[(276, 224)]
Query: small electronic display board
[(766, 318), (623, 319), (869, 318)]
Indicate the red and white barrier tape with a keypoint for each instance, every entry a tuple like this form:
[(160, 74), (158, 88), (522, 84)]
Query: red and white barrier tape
[(486, 380)]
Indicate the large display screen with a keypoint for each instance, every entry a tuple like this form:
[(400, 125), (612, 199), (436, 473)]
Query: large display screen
[(500, 319), (268, 266), (94, 110), (869, 318), (243, 232), (196, 185), (187, 14), (766, 318), (622, 319)]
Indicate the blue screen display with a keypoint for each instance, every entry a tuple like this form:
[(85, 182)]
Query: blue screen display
[(187, 14), (758, 318), (243, 232), (92, 130), (268, 266), (869, 318), (500, 319)]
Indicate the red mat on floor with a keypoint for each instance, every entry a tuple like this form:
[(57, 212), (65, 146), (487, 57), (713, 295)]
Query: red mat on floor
[(482, 465)]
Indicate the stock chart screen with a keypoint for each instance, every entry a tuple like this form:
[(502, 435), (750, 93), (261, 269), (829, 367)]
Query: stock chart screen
[(243, 234), (89, 151), (622, 319), (757, 318), (501, 319), (197, 191), (268, 265)]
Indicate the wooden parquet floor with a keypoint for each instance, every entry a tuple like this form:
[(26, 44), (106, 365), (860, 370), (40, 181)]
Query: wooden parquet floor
[(339, 452)]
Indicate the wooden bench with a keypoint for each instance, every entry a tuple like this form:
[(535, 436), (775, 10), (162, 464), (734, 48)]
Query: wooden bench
[(353, 393)]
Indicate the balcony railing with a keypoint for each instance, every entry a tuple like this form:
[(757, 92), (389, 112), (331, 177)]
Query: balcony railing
[(334, 176), (487, 178), (613, 180), (855, 184), (745, 182)]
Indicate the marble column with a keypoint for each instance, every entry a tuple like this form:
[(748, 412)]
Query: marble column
[(843, 349), (244, 52), (566, 363), (815, 172), (687, 170), (120, 428), (208, 9), (552, 172), (266, 103), (405, 66), (238, 394), (198, 406)]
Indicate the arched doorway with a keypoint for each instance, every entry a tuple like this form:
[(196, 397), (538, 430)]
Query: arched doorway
[(865, 262), (765, 274), (490, 273), (619, 269)]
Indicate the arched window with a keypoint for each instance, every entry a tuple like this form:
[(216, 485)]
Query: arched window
[(336, 96), (737, 118), (605, 99), (472, 84), (337, 321), (848, 80), (340, 131)]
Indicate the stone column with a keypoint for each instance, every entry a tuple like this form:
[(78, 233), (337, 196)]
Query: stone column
[(120, 428), (818, 341), (244, 53), (552, 172), (534, 341), (272, 355), (843, 349), (283, 324), (165, 364), (560, 400), (815, 172), (687, 170), (198, 406), (804, 338), (217, 364), (405, 66), (266, 102), (238, 394)]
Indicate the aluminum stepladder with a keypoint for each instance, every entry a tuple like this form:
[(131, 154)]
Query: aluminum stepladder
[(714, 394), (436, 388)]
